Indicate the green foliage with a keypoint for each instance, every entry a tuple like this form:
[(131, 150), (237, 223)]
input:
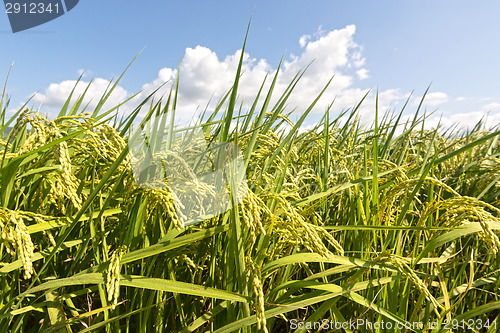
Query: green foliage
[(341, 222)]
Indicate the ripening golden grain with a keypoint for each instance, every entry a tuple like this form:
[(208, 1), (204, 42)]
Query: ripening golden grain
[(338, 222)]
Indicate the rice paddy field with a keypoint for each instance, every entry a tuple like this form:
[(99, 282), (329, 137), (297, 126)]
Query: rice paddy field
[(391, 226)]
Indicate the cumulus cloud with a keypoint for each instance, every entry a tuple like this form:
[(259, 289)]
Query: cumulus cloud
[(83, 72), (362, 73), (303, 40), (465, 120), (56, 94), (487, 114), (492, 106), (326, 54), (205, 77), (433, 99)]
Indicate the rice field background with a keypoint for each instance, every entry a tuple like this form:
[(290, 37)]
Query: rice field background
[(388, 223)]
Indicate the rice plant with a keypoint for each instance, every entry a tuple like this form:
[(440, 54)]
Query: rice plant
[(342, 223)]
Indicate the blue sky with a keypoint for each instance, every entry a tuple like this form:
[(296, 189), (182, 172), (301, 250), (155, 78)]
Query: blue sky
[(394, 46)]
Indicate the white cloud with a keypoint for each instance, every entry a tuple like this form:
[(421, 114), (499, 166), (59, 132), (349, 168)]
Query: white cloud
[(303, 40), (465, 120), (358, 59), (56, 94), (432, 99), (83, 72), (362, 74), (165, 76), (329, 52), (390, 100), (492, 106), (204, 75)]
